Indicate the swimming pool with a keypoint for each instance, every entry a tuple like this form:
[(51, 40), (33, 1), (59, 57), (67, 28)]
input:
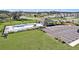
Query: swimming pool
[(21, 27)]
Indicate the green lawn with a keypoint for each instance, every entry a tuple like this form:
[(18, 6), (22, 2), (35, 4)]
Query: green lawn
[(32, 40), (19, 22)]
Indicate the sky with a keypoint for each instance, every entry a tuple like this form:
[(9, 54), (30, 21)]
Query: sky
[(40, 4)]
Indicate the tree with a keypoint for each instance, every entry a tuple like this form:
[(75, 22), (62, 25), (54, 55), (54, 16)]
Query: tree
[(45, 22), (35, 15), (16, 15), (78, 30)]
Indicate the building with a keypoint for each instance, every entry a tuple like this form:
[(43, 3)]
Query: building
[(22, 17)]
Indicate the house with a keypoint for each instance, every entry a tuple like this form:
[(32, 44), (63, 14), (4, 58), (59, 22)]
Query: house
[(22, 17), (2, 19)]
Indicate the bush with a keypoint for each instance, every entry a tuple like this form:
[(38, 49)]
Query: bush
[(78, 30), (77, 24)]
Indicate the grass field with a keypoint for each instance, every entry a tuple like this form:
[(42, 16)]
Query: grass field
[(18, 22), (32, 40)]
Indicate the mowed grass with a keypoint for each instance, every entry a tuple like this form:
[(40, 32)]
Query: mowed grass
[(19, 22), (32, 40)]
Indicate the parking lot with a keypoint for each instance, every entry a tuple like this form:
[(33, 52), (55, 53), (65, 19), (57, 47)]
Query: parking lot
[(64, 33)]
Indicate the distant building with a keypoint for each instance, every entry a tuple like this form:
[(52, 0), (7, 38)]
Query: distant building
[(2, 19), (22, 17)]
